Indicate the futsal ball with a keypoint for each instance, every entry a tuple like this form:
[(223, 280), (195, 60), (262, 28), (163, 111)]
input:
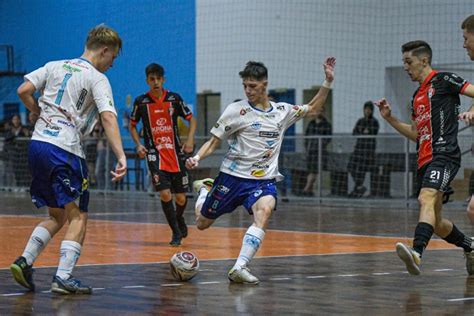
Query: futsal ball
[(184, 265)]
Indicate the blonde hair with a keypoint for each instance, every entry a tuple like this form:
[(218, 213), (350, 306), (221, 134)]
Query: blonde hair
[(101, 36)]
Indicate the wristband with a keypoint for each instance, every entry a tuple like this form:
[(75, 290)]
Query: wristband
[(327, 84)]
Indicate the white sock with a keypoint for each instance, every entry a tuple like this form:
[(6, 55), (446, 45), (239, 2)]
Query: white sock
[(200, 200), (70, 252), (252, 240), (38, 240)]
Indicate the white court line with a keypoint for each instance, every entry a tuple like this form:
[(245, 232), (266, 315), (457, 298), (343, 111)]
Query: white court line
[(381, 273), (443, 270), (132, 286), (461, 299), (172, 284), (210, 282), (280, 279), (13, 294), (347, 275), (316, 276)]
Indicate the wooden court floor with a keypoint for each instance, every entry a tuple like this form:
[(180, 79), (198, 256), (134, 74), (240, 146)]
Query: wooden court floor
[(314, 261)]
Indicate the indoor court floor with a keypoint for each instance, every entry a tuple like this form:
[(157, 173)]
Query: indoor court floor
[(315, 260)]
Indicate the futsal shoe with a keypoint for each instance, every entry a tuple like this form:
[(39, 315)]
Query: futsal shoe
[(23, 273), (69, 286), (176, 240), (410, 257), (242, 275), (182, 227), (469, 262), (204, 183)]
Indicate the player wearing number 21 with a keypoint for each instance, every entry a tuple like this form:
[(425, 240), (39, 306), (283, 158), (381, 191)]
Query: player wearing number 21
[(75, 92), (434, 128)]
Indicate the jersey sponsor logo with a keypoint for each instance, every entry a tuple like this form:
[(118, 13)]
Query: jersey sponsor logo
[(170, 98), (281, 107), (245, 111), (227, 128), (268, 134), (85, 184), (420, 109), (164, 142), (258, 193), (270, 142), (65, 123), (423, 118), (161, 126), (256, 125), (51, 133), (70, 68), (217, 125), (258, 173), (158, 111), (185, 180), (298, 113)]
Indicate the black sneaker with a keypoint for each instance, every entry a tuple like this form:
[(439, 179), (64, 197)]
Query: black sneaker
[(176, 240), (23, 273), (182, 227), (69, 286)]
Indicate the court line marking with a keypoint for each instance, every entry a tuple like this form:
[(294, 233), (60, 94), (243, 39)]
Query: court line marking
[(270, 279)]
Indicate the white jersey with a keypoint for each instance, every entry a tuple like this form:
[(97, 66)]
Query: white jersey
[(255, 137), (73, 92)]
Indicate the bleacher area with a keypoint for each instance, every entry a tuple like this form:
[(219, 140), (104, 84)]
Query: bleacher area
[(392, 176)]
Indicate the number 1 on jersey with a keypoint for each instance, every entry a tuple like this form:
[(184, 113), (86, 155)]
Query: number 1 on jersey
[(63, 87)]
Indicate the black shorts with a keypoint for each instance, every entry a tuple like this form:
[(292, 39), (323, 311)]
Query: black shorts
[(177, 182), (437, 174)]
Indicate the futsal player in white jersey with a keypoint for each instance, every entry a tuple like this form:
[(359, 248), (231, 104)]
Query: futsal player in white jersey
[(254, 129), (75, 93)]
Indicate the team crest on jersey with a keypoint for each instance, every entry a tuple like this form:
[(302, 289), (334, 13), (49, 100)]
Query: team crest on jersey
[(245, 111), (256, 125)]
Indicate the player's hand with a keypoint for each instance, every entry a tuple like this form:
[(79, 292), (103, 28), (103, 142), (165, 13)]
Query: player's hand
[(328, 66), (141, 151), (120, 169), (192, 162), (384, 107), (467, 117), (188, 147)]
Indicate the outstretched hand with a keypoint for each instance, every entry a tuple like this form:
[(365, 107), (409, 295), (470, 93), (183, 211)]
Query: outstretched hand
[(192, 162), (467, 117), (384, 107), (329, 65)]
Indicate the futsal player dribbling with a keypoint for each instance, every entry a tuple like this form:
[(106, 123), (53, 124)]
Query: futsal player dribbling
[(75, 93), (254, 129), (434, 128)]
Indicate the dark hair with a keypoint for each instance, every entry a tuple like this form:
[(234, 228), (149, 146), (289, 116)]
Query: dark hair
[(418, 48), (468, 24), (369, 104), (255, 70), (155, 69)]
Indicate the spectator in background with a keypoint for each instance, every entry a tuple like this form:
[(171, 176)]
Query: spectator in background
[(32, 118), (362, 159), (16, 153), (319, 126), (105, 159)]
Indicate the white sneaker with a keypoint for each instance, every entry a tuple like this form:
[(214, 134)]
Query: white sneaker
[(242, 276), (410, 257), (204, 183)]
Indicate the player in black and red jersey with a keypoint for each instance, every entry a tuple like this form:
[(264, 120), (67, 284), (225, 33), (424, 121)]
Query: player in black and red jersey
[(159, 110), (435, 115)]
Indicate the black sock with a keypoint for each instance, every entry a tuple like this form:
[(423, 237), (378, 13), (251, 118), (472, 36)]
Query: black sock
[(168, 209), (456, 237), (423, 233), (180, 208)]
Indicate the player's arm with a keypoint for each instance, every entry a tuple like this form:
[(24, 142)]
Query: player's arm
[(407, 130), (206, 149), (320, 98), (188, 146), (111, 128), (141, 150), (26, 93)]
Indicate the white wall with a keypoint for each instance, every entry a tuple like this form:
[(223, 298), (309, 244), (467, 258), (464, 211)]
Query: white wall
[(293, 38)]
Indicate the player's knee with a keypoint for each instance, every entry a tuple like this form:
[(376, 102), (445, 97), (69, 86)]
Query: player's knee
[(203, 223)]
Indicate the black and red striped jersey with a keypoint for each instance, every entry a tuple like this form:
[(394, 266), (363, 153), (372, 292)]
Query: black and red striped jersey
[(435, 110), (160, 126)]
